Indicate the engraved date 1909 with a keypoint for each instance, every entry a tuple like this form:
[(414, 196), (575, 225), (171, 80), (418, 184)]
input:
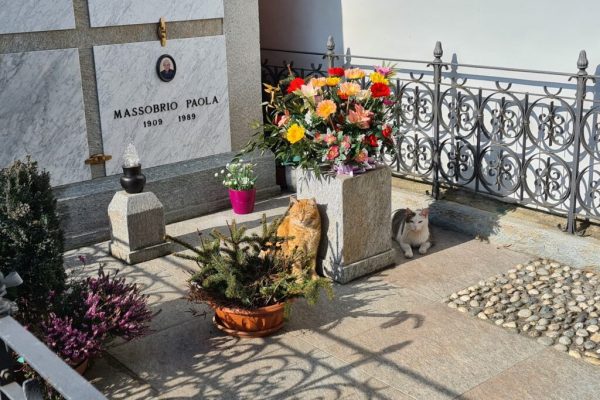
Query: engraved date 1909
[(153, 122)]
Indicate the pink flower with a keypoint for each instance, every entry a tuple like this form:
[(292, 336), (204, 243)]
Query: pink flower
[(346, 143), (318, 137), (330, 138), (362, 157), (333, 153), (360, 117), (388, 102), (281, 120), (385, 71)]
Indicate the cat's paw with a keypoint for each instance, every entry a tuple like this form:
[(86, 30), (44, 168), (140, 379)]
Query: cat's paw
[(422, 250), (408, 255)]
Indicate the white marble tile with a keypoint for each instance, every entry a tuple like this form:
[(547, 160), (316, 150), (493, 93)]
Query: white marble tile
[(131, 12), (127, 80), (36, 15), (42, 113)]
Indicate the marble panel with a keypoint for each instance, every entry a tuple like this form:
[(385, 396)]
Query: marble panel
[(168, 122), (42, 113), (131, 12), (36, 15)]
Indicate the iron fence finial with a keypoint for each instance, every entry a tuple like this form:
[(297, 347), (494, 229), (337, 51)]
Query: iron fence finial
[(582, 61), (438, 52), (330, 43)]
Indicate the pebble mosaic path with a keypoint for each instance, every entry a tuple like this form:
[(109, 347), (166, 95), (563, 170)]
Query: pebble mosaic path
[(556, 304)]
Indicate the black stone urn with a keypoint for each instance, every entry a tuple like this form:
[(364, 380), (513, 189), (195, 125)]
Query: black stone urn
[(133, 180)]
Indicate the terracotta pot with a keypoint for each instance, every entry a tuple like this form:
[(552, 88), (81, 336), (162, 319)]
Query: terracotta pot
[(242, 201), (82, 367), (250, 323)]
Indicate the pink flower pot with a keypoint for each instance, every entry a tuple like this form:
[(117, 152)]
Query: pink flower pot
[(242, 201)]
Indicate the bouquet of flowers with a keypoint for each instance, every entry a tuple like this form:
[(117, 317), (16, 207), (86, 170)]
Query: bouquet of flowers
[(238, 175), (339, 123)]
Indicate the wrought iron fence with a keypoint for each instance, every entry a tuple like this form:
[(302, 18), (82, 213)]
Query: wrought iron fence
[(518, 138)]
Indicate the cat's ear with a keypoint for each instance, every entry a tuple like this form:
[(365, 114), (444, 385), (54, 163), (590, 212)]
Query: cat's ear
[(425, 212), (293, 200), (408, 211), (313, 200)]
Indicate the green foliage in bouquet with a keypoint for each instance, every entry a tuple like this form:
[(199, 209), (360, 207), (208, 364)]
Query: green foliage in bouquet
[(248, 270), (31, 241)]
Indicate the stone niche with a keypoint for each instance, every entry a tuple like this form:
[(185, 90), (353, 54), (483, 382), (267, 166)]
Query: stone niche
[(42, 113), (36, 15), (168, 122), (130, 12)]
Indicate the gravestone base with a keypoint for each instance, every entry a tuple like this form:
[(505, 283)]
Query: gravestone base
[(137, 224), (356, 222)]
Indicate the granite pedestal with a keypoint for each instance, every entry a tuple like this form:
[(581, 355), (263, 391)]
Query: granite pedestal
[(137, 224), (356, 222)]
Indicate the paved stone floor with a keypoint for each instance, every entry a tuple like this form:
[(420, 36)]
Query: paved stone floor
[(388, 336)]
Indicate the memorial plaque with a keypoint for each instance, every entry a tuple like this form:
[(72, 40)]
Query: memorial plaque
[(180, 119), (131, 12), (42, 113), (36, 15)]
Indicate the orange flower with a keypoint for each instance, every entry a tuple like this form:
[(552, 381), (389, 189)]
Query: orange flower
[(348, 89), (326, 108), (318, 82), (355, 73)]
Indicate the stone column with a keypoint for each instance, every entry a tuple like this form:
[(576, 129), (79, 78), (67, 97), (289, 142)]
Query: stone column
[(137, 224), (356, 221)]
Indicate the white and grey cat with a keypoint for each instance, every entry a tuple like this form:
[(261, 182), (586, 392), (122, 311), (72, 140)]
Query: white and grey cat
[(411, 229)]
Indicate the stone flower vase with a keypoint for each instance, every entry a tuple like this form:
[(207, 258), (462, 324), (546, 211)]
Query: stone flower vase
[(356, 221), (242, 201), (133, 181)]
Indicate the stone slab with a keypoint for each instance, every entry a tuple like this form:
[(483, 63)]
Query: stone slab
[(128, 82), (140, 255), (36, 15), (131, 12), (42, 113), (344, 273), (356, 224), (186, 189)]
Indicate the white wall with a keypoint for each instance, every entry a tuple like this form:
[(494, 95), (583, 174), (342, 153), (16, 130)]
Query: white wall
[(540, 34)]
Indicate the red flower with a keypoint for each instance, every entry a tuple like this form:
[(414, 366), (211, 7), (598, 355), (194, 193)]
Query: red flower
[(337, 71), (295, 85), (341, 95), (387, 131), (380, 90), (371, 140)]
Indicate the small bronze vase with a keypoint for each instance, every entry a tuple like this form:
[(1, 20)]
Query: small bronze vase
[(133, 180)]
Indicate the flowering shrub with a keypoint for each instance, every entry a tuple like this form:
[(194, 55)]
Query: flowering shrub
[(340, 122), (238, 176), (92, 312)]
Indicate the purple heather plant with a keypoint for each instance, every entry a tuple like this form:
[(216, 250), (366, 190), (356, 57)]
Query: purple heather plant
[(91, 313), (72, 344)]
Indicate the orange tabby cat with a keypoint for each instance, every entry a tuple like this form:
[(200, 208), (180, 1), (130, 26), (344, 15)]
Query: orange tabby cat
[(303, 223)]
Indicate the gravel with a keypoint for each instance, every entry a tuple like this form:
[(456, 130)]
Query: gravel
[(556, 304)]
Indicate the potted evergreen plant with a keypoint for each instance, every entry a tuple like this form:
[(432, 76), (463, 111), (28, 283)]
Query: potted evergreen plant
[(240, 179), (248, 280)]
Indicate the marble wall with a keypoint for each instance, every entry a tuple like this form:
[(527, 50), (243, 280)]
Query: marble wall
[(36, 15), (129, 12), (42, 114), (183, 119)]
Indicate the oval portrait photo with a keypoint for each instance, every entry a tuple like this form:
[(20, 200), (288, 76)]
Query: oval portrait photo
[(166, 68)]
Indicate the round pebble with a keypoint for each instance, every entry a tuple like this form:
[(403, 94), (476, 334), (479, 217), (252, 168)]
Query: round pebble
[(525, 313)]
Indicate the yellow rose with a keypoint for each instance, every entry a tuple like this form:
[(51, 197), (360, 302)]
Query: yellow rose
[(355, 73), (376, 77), (332, 80), (318, 82), (295, 133), (326, 108)]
